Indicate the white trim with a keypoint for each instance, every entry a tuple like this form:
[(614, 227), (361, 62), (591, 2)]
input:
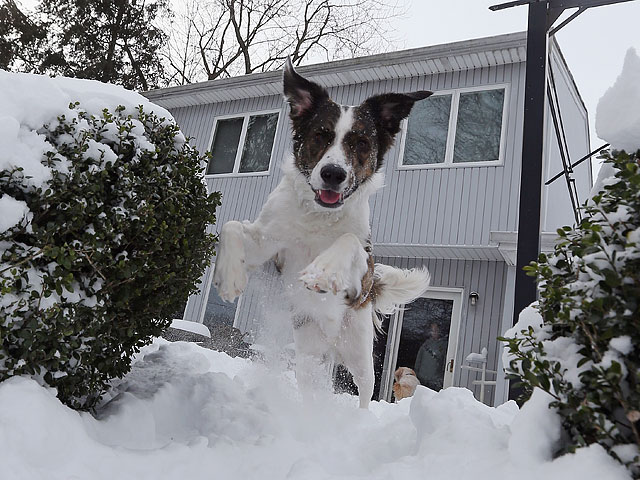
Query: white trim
[(395, 329), (453, 125), (502, 383), (241, 143)]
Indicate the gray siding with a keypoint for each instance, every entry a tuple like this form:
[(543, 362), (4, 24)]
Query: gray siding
[(444, 206), (453, 206)]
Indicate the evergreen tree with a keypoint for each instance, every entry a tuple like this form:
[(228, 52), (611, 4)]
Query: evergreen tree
[(112, 41), (22, 39)]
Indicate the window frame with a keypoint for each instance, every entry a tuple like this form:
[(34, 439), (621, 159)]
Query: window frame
[(451, 134), (243, 135)]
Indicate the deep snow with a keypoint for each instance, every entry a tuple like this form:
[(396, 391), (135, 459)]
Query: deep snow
[(188, 412)]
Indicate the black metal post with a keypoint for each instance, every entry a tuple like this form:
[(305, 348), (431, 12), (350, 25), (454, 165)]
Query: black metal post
[(532, 152), (532, 156)]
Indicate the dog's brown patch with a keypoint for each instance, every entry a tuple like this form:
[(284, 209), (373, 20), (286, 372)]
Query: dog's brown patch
[(367, 289)]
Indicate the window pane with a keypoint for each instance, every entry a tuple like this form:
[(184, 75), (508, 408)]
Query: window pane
[(218, 312), (479, 126), (261, 131), (225, 145), (427, 131), (424, 339)]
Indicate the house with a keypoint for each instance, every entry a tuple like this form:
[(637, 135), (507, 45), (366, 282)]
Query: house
[(451, 197)]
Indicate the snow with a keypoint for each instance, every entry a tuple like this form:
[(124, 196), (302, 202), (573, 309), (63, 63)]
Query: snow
[(535, 432), (622, 344), (562, 349), (618, 111), (188, 412), (30, 101), (193, 327), (477, 357), (12, 212)]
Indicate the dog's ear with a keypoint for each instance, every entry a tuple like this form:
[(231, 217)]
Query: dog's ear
[(388, 110), (303, 95)]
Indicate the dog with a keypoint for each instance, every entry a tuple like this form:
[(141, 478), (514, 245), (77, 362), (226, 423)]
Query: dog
[(315, 224), (405, 383)]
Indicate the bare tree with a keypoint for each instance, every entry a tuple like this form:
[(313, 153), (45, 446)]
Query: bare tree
[(221, 38)]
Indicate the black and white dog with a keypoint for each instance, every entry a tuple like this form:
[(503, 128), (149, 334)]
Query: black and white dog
[(316, 224)]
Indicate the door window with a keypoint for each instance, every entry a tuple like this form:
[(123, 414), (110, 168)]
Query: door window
[(424, 340), (424, 337)]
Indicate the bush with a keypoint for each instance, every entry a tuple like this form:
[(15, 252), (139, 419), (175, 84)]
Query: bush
[(586, 353), (112, 244)]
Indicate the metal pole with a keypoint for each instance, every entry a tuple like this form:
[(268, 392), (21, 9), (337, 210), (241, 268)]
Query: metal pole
[(532, 155), (532, 159)]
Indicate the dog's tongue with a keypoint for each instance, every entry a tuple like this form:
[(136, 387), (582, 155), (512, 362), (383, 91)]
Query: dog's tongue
[(329, 196)]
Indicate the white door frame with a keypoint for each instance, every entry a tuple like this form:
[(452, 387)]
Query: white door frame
[(395, 329)]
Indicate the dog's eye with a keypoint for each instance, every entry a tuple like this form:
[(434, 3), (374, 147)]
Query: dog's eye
[(362, 145), (321, 138)]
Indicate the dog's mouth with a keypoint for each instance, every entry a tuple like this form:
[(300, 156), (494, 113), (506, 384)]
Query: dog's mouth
[(329, 198)]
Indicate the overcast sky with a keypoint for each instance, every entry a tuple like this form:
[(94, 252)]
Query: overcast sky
[(594, 44)]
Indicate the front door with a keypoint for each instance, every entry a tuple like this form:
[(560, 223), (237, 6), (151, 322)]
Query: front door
[(424, 337)]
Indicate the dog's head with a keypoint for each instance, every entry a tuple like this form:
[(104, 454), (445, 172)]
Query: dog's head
[(403, 372), (337, 147)]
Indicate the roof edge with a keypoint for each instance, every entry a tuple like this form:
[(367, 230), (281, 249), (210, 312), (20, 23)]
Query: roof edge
[(509, 40)]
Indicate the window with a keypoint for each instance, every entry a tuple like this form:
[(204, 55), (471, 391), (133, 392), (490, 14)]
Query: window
[(449, 129), (243, 144), (218, 312)]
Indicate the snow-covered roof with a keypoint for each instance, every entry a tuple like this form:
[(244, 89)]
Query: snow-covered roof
[(449, 57)]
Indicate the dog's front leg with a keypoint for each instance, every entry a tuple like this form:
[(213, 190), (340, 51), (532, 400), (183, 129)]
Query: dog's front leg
[(340, 268), (241, 246)]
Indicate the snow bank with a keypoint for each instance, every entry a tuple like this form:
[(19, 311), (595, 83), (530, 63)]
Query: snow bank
[(188, 412), (618, 111)]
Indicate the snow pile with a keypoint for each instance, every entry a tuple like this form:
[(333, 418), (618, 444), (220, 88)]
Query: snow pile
[(188, 412), (618, 112), (31, 101)]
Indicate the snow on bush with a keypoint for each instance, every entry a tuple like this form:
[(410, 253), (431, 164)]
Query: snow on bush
[(580, 343), (102, 231), (187, 412), (618, 112)]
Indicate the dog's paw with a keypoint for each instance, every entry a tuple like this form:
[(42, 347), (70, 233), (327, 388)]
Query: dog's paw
[(230, 280), (338, 269), (230, 276), (322, 278)]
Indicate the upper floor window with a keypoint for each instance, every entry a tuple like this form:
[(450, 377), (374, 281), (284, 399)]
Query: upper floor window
[(243, 144), (454, 128)]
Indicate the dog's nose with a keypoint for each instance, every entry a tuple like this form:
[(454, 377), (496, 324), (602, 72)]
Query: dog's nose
[(333, 175)]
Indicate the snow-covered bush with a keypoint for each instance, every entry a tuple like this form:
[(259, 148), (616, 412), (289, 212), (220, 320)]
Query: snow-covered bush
[(100, 243), (582, 344)]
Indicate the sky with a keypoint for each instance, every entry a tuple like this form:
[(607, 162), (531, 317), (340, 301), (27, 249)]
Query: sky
[(594, 44)]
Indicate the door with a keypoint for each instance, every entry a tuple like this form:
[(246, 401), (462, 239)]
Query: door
[(424, 337)]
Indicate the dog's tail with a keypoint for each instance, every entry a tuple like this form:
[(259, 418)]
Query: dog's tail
[(394, 287)]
